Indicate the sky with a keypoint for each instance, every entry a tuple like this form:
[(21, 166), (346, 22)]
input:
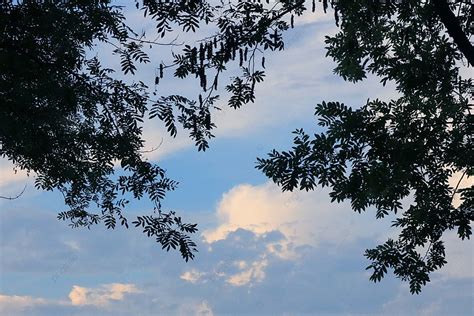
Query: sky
[(261, 251)]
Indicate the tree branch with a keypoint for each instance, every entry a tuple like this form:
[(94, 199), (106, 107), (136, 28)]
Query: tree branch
[(449, 20), (14, 197)]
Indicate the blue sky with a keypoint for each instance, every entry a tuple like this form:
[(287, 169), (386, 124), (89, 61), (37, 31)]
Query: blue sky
[(261, 252)]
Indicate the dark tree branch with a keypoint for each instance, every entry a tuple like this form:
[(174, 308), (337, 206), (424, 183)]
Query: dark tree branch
[(13, 197), (454, 29)]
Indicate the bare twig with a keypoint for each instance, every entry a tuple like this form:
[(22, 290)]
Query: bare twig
[(153, 148), (13, 197), (154, 42)]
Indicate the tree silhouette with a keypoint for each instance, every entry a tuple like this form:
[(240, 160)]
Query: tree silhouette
[(69, 119), (387, 150)]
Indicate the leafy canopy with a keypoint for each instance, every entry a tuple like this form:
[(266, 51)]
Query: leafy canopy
[(72, 121), (69, 119), (385, 151)]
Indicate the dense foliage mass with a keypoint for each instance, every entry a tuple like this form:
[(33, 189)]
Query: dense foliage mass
[(66, 118), (72, 121), (384, 151)]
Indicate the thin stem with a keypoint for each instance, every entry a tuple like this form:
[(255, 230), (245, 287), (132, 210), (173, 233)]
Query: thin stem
[(13, 197)]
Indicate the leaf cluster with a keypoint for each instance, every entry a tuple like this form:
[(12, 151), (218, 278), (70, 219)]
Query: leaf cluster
[(386, 152)]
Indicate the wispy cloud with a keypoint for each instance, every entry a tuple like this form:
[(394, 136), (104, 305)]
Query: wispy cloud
[(10, 304), (100, 296)]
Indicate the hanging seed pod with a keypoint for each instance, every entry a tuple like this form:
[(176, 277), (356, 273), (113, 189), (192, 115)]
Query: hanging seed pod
[(202, 78), (194, 56), (246, 53), (313, 7), (292, 21), (157, 80), (263, 62), (215, 82), (227, 54), (161, 70), (215, 42), (201, 53), (230, 47), (209, 51), (200, 99), (275, 38), (236, 40), (241, 57)]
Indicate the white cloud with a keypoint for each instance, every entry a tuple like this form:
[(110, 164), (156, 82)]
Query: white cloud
[(239, 276), (308, 218), (299, 77), (303, 217), (100, 296), (78, 295), (192, 276), (296, 79), (254, 273), (15, 303)]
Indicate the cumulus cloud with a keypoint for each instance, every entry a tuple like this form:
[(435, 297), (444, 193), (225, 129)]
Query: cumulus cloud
[(284, 224), (303, 217), (78, 295), (240, 275), (238, 260), (100, 296)]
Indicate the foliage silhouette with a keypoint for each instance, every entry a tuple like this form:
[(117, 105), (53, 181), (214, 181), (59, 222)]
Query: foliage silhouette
[(385, 151), (69, 119)]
